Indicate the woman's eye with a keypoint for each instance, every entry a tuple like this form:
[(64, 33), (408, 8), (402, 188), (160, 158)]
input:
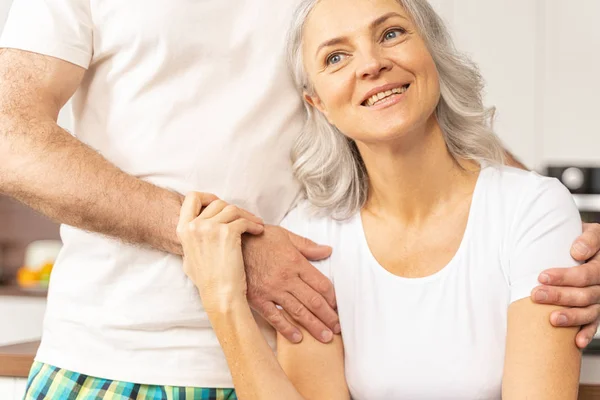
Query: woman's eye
[(334, 58), (393, 34)]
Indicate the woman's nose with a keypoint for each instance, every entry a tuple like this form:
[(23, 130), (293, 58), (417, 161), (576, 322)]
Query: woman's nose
[(373, 64)]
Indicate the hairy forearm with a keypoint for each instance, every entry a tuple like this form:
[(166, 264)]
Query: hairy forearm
[(49, 170), (255, 369)]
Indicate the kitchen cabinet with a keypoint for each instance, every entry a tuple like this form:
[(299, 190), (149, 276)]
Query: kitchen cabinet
[(21, 318), (12, 388)]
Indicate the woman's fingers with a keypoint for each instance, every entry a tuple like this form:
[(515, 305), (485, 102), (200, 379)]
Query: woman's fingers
[(224, 213), (243, 225), (231, 213), (213, 209), (199, 208), (191, 207)]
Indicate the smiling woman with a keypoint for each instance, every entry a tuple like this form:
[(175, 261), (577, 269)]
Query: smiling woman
[(436, 244), (326, 161)]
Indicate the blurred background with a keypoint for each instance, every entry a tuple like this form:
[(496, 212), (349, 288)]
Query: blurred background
[(541, 63)]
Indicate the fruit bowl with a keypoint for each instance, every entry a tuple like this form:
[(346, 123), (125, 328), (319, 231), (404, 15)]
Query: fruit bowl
[(40, 256)]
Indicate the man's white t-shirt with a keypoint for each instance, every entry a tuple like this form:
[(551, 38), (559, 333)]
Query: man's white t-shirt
[(443, 336), (188, 95)]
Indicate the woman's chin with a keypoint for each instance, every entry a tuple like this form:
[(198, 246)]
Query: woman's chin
[(385, 135)]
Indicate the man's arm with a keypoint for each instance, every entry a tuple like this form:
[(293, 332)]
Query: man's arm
[(541, 362), (51, 171), (48, 169)]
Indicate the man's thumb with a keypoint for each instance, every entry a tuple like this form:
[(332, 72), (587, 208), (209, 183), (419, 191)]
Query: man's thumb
[(309, 249)]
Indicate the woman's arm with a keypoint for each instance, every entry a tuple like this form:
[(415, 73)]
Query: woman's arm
[(211, 236), (254, 368), (542, 362), (316, 369)]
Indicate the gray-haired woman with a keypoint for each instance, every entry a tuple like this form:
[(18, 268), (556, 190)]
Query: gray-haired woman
[(437, 244)]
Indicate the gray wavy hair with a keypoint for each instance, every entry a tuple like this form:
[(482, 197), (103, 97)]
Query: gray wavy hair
[(328, 164)]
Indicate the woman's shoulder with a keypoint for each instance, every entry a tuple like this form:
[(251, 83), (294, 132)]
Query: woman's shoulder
[(525, 198), (514, 185)]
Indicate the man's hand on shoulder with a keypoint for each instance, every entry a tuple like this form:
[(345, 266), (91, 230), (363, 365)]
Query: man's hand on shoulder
[(577, 287)]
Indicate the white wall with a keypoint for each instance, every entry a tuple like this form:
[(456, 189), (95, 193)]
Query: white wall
[(571, 76), (541, 63)]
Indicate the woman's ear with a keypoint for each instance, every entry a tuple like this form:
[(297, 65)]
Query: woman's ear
[(316, 102)]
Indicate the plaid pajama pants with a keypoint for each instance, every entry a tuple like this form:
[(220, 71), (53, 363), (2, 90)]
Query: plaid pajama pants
[(46, 382)]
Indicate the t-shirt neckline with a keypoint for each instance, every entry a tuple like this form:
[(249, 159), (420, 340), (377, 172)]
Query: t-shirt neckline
[(379, 269)]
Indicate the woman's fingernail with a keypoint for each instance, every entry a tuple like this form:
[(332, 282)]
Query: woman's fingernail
[(296, 337), (561, 320), (337, 329), (326, 336), (541, 295), (545, 279), (581, 249)]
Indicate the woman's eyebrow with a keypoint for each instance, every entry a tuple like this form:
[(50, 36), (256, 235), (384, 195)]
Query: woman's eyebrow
[(372, 25), (331, 42), (384, 18)]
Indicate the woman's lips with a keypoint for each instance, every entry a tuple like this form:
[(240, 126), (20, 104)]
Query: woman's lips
[(388, 101)]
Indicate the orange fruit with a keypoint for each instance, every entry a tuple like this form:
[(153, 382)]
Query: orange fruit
[(27, 277)]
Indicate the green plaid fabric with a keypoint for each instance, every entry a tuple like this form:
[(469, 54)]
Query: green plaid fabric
[(48, 382)]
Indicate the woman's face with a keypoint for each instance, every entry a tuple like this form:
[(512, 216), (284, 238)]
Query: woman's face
[(371, 71)]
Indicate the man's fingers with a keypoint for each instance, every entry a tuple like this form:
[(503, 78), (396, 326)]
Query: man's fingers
[(575, 316), (319, 282), (309, 249), (317, 305), (192, 205), (305, 318), (276, 318), (566, 296), (580, 276), (586, 334), (588, 244)]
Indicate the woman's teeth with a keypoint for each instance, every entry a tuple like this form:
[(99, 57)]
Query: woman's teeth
[(376, 98)]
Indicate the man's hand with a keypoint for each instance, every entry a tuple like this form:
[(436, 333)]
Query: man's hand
[(279, 273), (577, 287)]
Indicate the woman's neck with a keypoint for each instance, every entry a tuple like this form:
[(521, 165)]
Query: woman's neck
[(417, 178)]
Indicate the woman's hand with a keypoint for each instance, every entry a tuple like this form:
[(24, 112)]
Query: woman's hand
[(210, 231)]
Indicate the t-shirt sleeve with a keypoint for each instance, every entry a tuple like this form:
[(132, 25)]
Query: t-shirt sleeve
[(546, 225), (57, 28), (301, 222)]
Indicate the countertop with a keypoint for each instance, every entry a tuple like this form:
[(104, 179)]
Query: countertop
[(14, 290), (16, 360)]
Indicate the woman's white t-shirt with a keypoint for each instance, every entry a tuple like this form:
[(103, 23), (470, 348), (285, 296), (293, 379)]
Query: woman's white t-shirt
[(443, 336)]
